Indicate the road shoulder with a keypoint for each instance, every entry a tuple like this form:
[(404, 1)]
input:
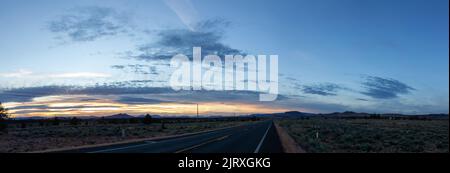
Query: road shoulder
[(288, 143)]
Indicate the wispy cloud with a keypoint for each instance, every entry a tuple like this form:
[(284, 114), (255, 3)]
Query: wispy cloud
[(29, 74), (185, 10), (361, 99), (80, 75), (89, 23), (121, 89), (16, 74), (138, 100), (137, 69), (208, 35), (327, 89), (118, 67), (384, 88), (28, 93)]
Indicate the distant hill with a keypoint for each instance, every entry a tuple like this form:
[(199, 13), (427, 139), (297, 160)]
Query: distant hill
[(119, 116), (153, 116), (350, 114), (30, 118), (362, 114), (296, 114), (291, 114), (346, 114)]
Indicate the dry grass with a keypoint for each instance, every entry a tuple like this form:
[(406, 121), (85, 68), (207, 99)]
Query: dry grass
[(53, 137), (369, 135)]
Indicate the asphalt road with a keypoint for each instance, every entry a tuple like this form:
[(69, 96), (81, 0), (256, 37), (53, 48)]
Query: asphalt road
[(259, 137)]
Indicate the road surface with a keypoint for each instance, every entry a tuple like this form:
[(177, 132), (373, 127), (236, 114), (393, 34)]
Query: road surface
[(259, 137)]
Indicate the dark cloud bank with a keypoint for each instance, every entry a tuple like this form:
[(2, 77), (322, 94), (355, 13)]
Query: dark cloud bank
[(130, 95), (384, 88), (327, 89), (208, 35)]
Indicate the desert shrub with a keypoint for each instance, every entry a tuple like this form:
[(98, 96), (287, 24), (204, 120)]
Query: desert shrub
[(369, 135), (133, 120)]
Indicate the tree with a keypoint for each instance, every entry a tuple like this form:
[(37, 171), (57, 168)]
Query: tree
[(3, 112), (147, 119), (4, 115)]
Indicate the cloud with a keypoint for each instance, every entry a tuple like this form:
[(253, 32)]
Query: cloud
[(46, 107), (384, 88), (138, 100), (80, 75), (89, 23), (19, 73), (313, 106), (118, 67), (137, 69), (327, 89), (185, 10), (142, 81), (292, 79), (361, 99), (29, 107), (122, 90), (26, 73), (208, 36), (28, 93)]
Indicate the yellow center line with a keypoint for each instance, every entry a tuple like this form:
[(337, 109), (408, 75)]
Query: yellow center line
[(201, 144)]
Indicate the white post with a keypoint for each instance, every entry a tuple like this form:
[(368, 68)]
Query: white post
[(123, 133)]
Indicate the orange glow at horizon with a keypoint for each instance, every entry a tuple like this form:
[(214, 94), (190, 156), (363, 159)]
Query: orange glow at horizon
[(51, 106)]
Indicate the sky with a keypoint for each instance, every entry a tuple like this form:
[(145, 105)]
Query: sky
[(97, 57)]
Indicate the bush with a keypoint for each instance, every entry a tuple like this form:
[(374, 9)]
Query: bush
[(23, 125), (74, 121), (55, 121), (3, 125), (4, 115), (147, 119), (163, 125)]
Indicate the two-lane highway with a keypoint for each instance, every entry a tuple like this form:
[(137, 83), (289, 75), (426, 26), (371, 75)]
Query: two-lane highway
[(259, 137)]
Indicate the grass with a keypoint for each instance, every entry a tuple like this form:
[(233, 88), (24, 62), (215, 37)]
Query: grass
[(52, 137), (320, 135)]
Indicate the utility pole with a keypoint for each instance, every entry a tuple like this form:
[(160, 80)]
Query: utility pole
[(197, 111)]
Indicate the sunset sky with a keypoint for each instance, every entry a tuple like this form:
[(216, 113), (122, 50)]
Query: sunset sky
[(96, 58)]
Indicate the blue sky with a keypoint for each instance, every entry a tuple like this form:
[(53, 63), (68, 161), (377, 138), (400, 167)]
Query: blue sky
[(334, 55)]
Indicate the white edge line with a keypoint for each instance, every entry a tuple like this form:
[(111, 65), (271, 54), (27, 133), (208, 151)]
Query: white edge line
[(152, 142), (121, 148), (134, 146), (262, 139)]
